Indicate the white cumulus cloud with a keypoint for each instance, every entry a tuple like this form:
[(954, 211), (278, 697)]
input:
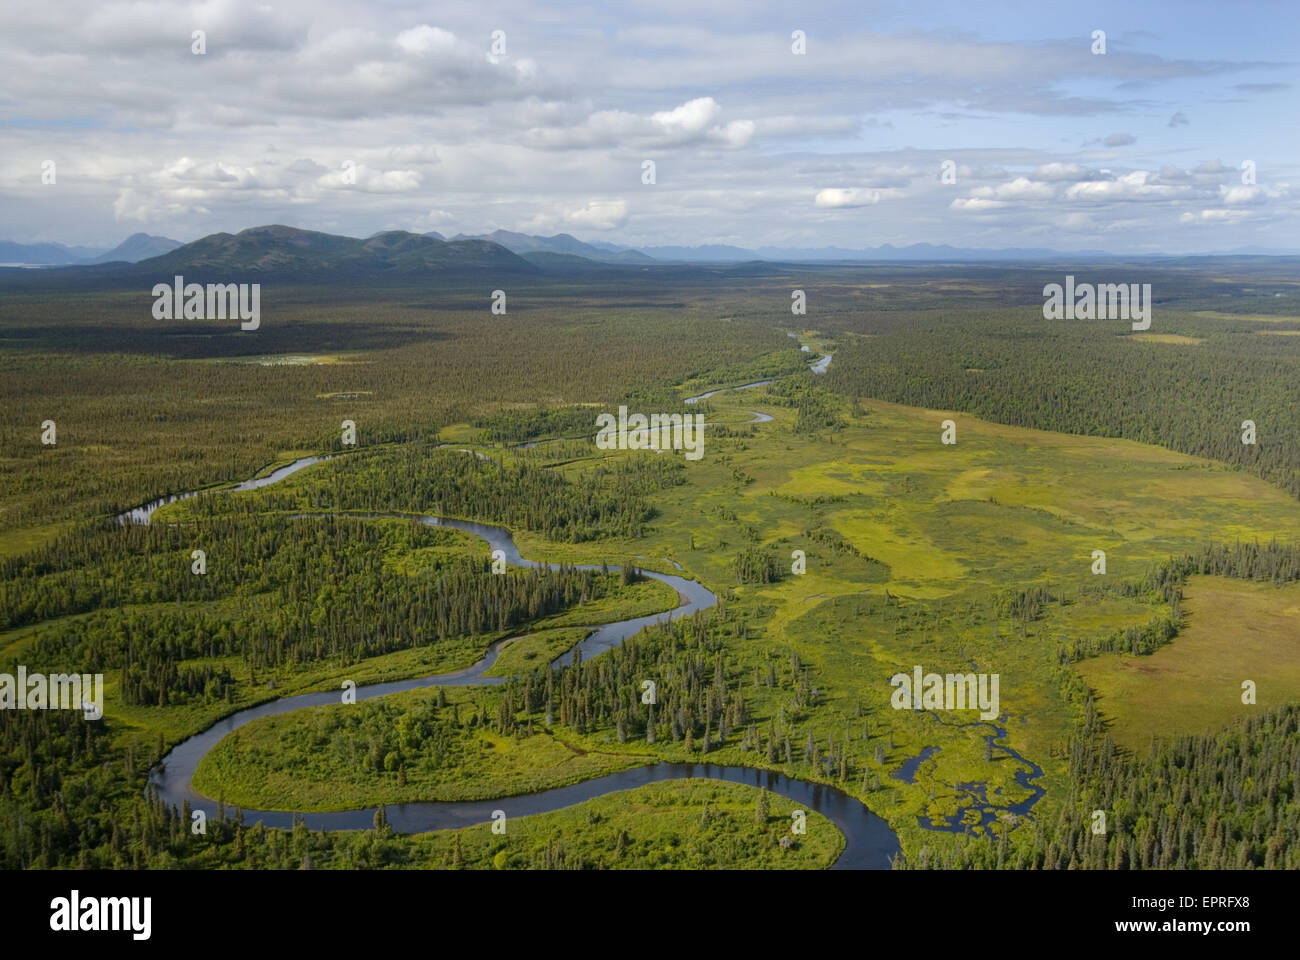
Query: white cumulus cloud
[(976, 204), (846, 197), (1021, 188)]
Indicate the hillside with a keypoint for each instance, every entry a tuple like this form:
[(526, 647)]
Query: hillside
[(561, 243), (137, 247), (282, 251)]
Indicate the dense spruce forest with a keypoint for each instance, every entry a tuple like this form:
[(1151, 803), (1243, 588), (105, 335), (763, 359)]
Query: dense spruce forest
[(354, 615), (1094, 378), (306, 589), (107, 564), (600, 502), (300, 588)]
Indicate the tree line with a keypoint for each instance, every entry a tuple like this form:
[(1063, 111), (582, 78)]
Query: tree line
[(318, 589), (1015, 368), (609, 500)]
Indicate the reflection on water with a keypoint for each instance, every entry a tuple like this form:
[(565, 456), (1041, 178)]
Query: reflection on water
[(870, 844), (142, 514)]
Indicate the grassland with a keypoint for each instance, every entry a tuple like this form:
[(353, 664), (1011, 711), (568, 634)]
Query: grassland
[(1235, 632), (535, 650), (1175, 338), (677, 825), (316, 759)]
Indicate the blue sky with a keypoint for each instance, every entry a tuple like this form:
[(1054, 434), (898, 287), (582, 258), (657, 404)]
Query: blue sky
[(353, 118)]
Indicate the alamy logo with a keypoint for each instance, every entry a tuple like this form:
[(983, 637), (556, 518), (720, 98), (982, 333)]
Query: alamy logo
[(70, 914), (1106, 301), (659, 431), (218, 301), (58, 691), (953, 691)]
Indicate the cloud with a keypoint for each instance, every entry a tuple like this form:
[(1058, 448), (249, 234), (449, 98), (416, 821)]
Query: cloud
[(155, 29), (425, 40), (976, 204), (745, 133), (373, 181), (1021, 188), (693, 122), (1179, 119), (598, 214), (1169, 173), (1214, 216), (131, 205), (833, 197), (1130, 186), (691, 118), (1241, 194), (1066, 171)]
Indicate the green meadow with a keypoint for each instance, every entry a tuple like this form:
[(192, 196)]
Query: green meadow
[(1235, 632), (677, 825), (321, 759)]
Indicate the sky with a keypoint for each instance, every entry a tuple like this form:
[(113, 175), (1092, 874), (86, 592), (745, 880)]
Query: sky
[(982, 125)]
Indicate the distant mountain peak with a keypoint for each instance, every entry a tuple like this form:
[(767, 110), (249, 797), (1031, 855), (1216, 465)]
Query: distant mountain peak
[(137, 247), (562, 243)]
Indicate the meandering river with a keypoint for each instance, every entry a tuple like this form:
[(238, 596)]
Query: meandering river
[(869, 842)]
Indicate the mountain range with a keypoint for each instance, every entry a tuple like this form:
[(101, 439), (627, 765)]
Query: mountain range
[(138, 246), (561, 243), (287, 251), (278, 250)]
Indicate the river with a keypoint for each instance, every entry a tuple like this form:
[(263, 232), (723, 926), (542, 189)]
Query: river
[(869, 842)]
